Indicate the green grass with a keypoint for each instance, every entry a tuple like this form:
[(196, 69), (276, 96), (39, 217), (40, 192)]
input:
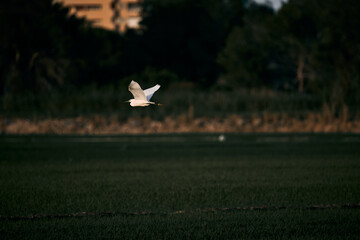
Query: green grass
[(160, 174)]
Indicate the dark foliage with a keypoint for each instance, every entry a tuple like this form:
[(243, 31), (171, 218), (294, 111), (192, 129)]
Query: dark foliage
[(308, 46)]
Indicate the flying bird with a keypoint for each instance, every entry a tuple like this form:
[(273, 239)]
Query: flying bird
[(141, 97)]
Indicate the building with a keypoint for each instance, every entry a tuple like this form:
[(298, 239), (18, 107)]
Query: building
[(116, 15)]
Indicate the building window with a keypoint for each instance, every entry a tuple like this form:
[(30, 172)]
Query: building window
[(134, 7), (85, 7)]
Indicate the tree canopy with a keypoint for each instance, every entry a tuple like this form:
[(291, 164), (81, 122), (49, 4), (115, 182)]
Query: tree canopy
[(308, 46)]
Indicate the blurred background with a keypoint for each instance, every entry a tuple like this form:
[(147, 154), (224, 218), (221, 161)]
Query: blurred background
[(224, 65)]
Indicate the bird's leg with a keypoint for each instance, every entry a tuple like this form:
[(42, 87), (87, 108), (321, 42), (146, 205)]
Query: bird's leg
[(157, 104)]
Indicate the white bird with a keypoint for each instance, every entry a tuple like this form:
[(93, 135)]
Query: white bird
[(141, 97)]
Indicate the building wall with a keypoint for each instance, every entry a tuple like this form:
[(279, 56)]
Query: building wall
[(129, 14), (116, 15)]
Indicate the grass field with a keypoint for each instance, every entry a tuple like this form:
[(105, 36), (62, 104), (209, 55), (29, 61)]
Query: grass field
[(185, 186)]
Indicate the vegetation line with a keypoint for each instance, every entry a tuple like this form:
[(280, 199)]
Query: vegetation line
[(147, 213)]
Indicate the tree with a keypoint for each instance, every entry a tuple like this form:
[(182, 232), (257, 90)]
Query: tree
[(185, 36), (246, 56), (294, 32), (41, 45), (322, 39), (338, 53), (33, 44)]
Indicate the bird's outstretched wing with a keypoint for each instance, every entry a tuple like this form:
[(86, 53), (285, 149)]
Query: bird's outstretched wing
[(136, 91), (150, 91)]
